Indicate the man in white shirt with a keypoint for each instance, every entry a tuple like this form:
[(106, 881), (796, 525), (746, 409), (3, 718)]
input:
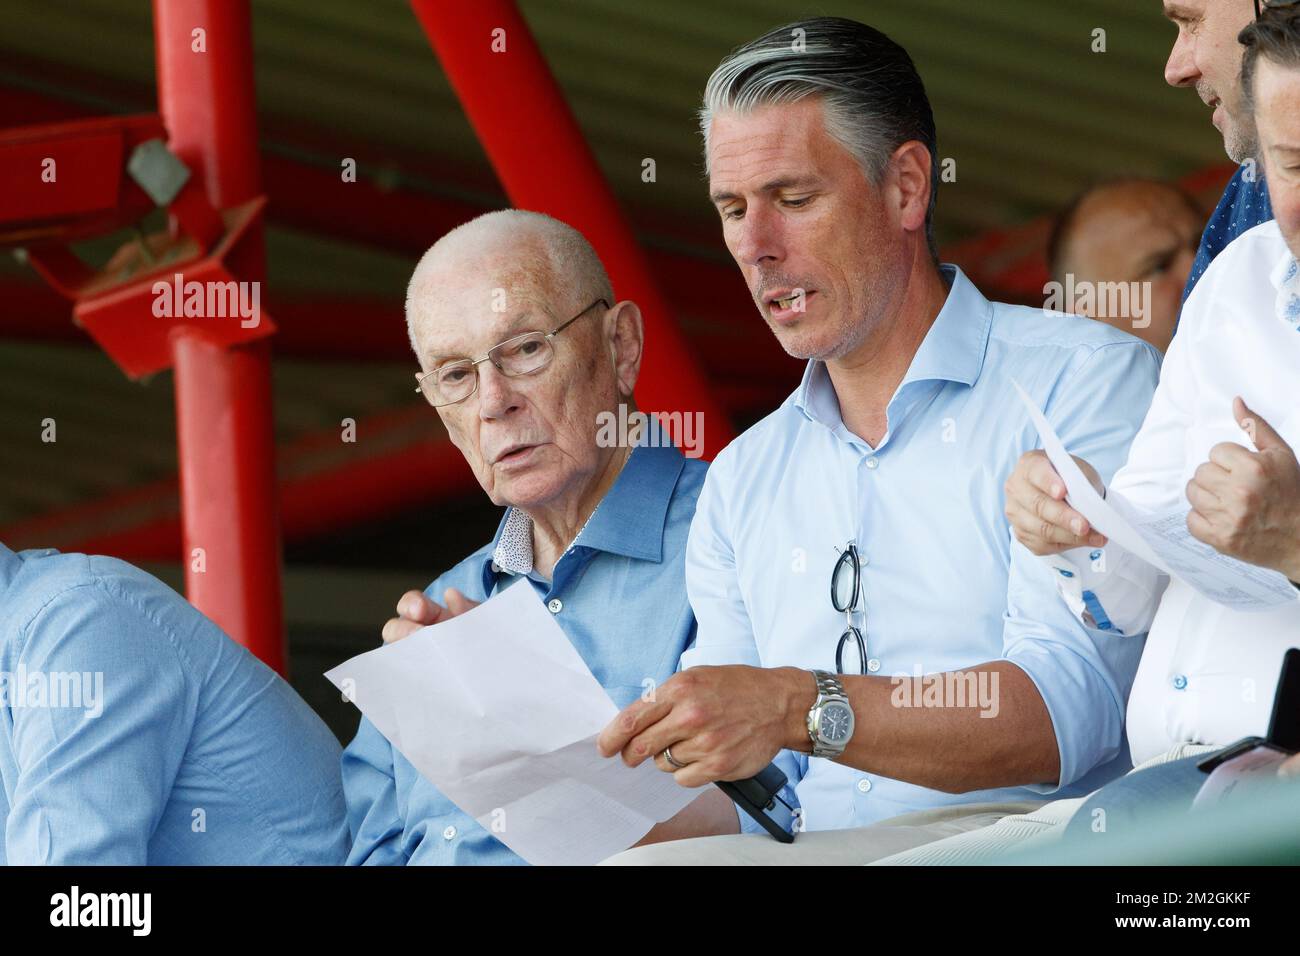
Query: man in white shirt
[(1220, 440)]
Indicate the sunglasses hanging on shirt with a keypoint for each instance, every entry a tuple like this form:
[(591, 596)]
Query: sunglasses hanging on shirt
[(846, 598)]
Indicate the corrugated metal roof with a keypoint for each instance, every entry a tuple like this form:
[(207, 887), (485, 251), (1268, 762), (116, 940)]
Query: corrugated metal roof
[(1022, 103)]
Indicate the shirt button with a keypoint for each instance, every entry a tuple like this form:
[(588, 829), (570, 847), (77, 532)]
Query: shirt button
[(864, 785), (555, 605), (1180, 682), (448, 833), (873, 665), (873, 463)]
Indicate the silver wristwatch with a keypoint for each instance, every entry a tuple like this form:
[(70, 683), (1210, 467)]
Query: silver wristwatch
[(830, 721)]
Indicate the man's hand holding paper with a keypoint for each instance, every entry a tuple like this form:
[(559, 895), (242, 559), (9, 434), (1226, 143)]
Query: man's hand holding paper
[(496, 708)]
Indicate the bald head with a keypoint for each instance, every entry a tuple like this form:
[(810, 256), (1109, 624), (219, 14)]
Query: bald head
[(498, 255), (1130, 231)]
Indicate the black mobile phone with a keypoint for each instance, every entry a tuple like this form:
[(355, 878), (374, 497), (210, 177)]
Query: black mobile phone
[(1283, 725), (760, 797)]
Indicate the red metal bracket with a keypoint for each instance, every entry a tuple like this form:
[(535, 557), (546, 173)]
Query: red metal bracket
[(150, 289), (69, 181)]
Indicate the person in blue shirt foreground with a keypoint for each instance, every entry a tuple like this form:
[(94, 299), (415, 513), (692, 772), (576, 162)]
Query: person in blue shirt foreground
[(133, 731)]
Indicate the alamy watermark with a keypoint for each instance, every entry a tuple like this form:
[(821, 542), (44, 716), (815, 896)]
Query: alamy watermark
[(622, 428), (82, 690), (1100, 300), (129, 910), (955, 689), (208, 300)]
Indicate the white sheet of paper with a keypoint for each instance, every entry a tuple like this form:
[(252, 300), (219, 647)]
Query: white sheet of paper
[(1162, 538), (498, 711)]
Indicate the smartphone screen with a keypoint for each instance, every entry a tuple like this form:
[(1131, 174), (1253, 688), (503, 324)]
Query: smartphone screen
[(1284, 728)]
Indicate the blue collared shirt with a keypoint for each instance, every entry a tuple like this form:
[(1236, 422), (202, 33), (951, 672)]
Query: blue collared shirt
[(619, 595), (133, 731), (944, 585)]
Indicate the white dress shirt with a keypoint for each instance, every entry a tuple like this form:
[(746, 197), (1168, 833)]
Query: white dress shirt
[(1208, 673)]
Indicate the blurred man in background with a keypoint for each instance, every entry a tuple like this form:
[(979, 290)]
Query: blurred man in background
[(1138, 236)]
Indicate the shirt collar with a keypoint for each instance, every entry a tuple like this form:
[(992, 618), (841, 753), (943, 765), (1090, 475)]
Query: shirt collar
[(953, 350), (629, 520), (1286, 279), (9, 565)]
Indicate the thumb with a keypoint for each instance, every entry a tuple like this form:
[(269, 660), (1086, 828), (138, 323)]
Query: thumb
[(457, 603), (415, 606), (1260, 431)]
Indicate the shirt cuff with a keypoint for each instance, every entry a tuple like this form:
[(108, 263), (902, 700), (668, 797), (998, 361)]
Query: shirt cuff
[(1108, 589)]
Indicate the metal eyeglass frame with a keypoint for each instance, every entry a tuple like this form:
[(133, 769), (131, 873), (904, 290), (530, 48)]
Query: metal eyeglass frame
[(491, 356), (849, 559)]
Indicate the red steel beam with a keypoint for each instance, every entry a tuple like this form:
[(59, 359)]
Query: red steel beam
[(224, 426), (538, 151)]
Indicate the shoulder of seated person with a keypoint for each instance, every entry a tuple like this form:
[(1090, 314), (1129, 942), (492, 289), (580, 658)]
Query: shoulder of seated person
[(98, 588), (1027, 325)]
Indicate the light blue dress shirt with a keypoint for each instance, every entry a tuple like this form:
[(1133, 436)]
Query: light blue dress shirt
[(944, 585), (619, 595), (132, 730)]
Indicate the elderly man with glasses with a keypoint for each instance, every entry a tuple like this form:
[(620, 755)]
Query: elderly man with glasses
[(523, 350)]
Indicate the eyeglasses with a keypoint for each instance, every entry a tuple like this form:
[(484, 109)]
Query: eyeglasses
[(520, 355), (1261, 7), (846, 594)]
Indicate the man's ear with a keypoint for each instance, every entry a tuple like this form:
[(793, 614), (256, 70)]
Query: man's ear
[(911, 168), (626, 336)]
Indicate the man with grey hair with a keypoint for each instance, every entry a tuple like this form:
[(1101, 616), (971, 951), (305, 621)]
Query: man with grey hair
[(523, 348), (864, 616)]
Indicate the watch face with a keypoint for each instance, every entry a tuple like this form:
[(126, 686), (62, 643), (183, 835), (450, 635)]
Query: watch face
[(836, 723)]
